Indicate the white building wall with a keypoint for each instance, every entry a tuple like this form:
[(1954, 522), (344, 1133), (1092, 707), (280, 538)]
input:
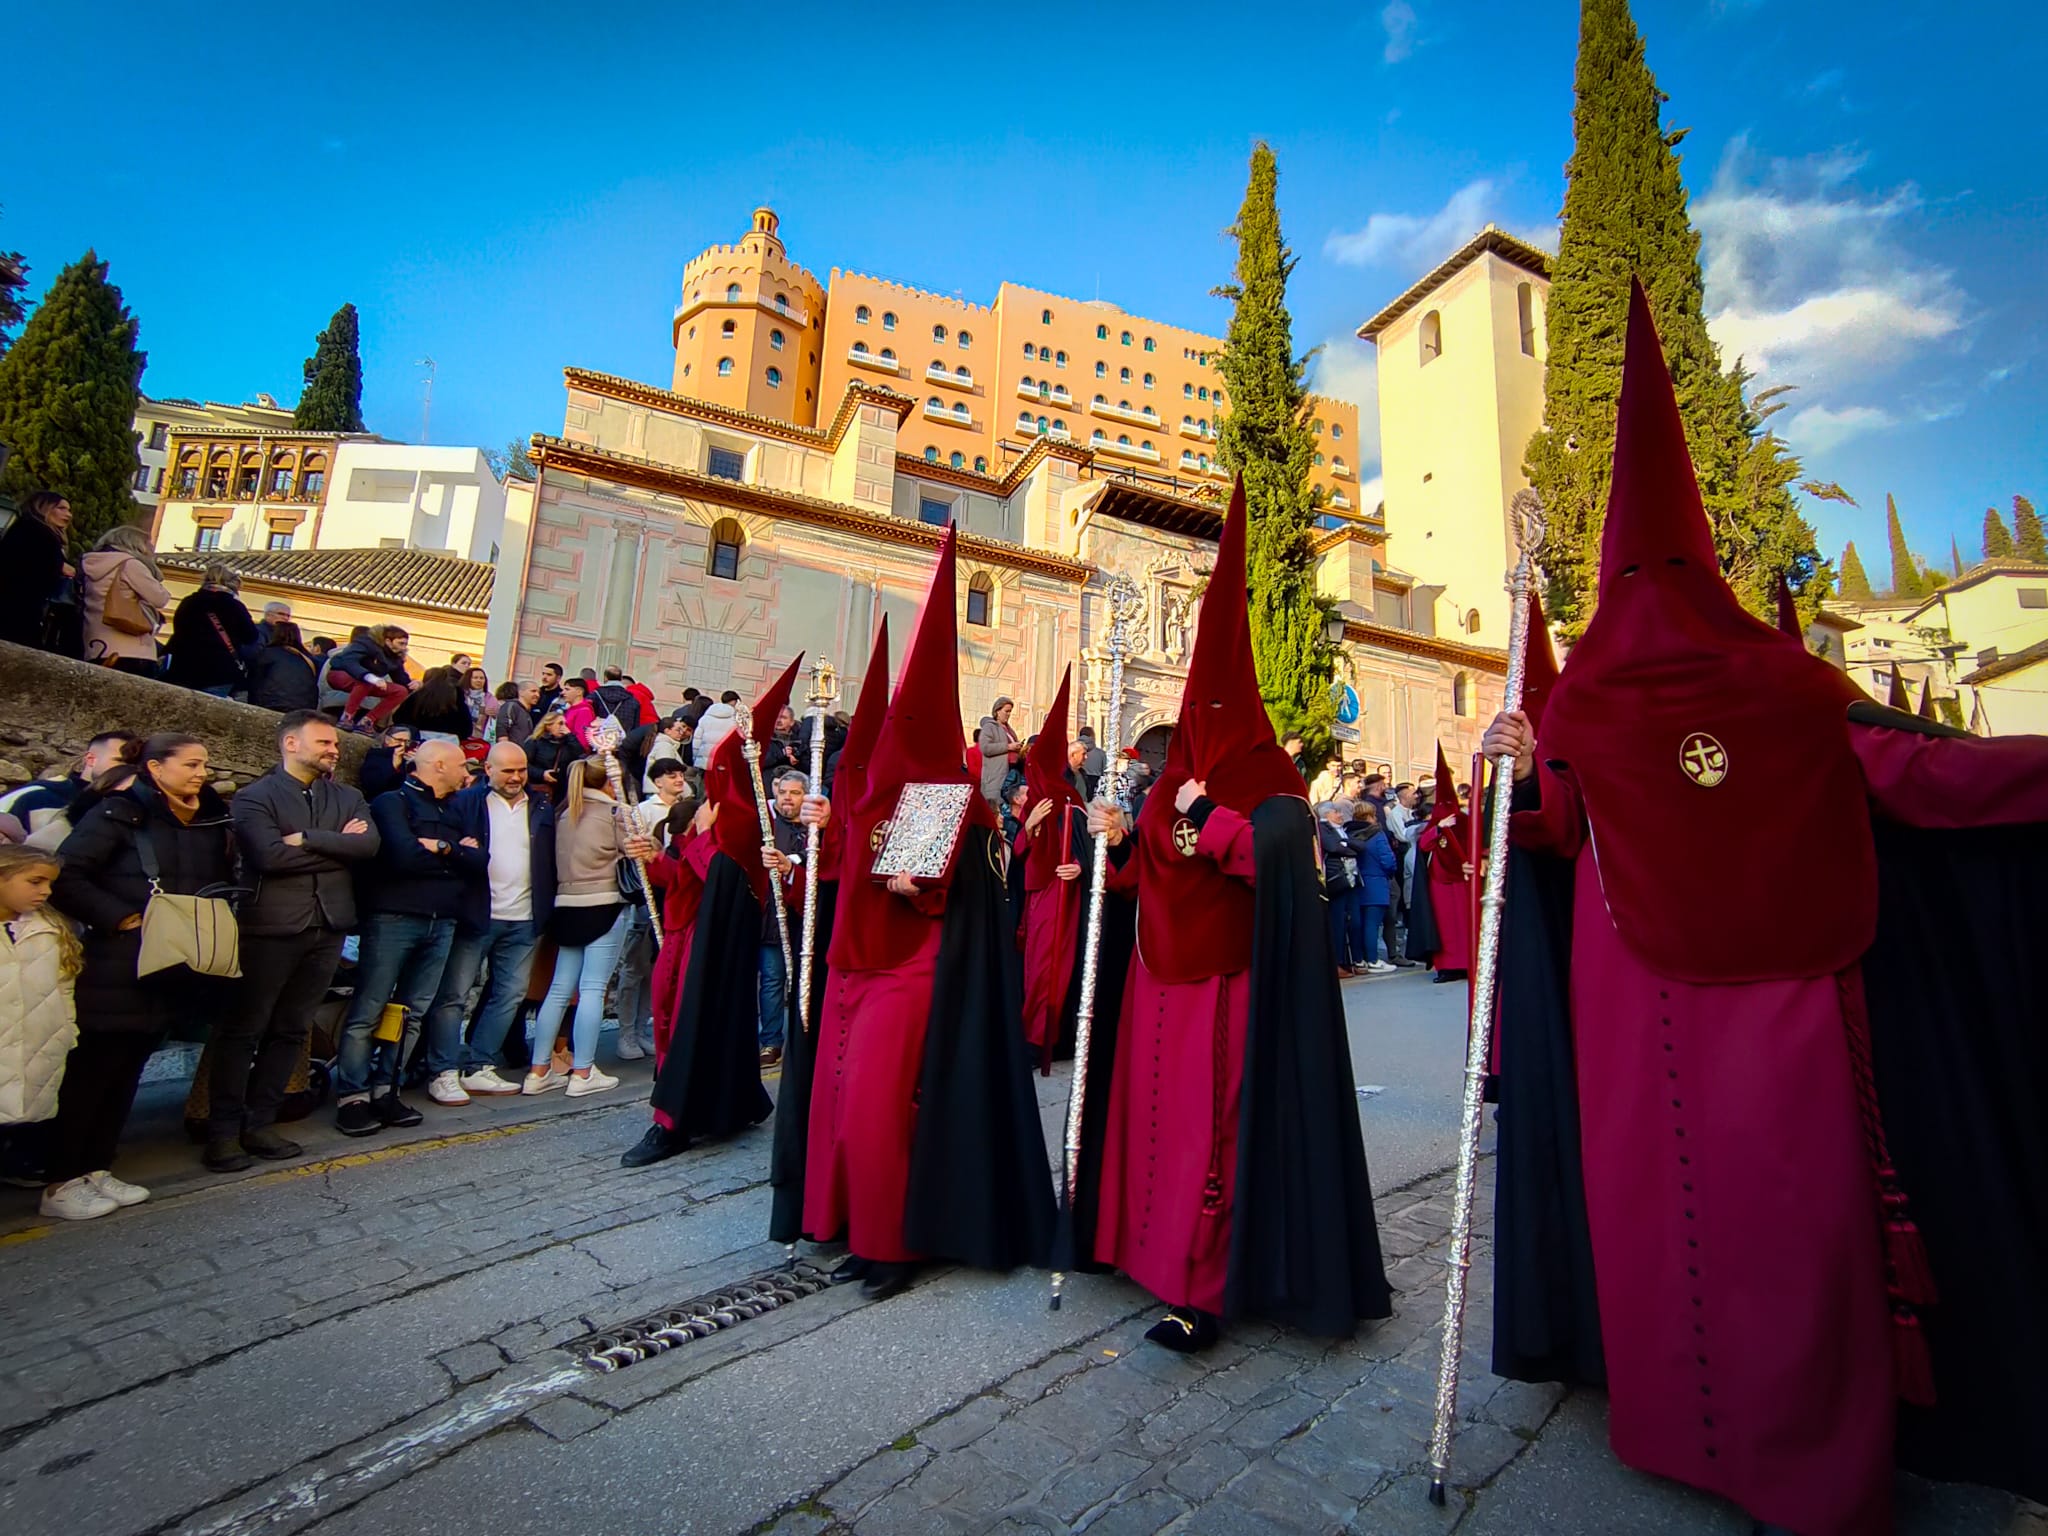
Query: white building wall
[(442, 499)]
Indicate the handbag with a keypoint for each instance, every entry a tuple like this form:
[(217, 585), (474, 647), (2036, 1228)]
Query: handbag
[(124, 611), (198, 932)]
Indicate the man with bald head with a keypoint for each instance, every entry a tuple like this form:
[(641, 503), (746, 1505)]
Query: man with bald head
[(498, 928), (426, 867)]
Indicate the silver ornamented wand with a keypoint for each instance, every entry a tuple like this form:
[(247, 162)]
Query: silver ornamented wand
[(1527, 512), (752, 750), (1123, 604), (605, 735), (824, 690)]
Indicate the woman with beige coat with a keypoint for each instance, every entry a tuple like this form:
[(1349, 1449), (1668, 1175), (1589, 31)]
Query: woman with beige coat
[(122, 568)]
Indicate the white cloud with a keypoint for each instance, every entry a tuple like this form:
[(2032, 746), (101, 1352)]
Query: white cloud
[(1809, 280), (1415, 240), (1348, 369), (1370, 494), (1820, 429), (1398, 20)]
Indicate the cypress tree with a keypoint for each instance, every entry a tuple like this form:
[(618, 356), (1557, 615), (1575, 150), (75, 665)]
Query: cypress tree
[(2028, 541), (13, 283), (1906, 580), (1266, 437), (1997, 537), (1855, 581), (68, 391), (1955, 557), (1625, 214), (333, 397)]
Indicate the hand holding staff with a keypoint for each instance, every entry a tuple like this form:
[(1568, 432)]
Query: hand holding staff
[(753, 756), (824, 689), (605, 735)]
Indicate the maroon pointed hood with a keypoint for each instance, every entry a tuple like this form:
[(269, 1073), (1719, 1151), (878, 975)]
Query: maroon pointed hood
[(1899, 698), (1702, 744), (1788, 612), (1045, 775), (729, 785), (1539, 668), (1927, 710), (849, 781)]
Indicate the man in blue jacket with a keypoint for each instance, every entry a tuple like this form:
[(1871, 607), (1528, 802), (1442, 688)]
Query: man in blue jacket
[(425, 866), (500, 923)]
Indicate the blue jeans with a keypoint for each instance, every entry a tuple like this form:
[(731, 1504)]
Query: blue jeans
[(635, 997), (402, 960), (508, 946), (1365, 930), (774, 995), (581, 974)]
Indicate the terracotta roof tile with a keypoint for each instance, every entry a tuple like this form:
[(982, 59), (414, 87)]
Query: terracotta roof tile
[(419, 577)]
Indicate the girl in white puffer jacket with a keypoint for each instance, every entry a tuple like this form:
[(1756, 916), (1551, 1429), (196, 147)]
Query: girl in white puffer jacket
[(39, 961)]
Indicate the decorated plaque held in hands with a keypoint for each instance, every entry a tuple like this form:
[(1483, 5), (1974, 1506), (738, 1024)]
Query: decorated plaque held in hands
[(923, 838)]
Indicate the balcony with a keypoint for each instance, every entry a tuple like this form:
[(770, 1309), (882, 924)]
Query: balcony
[(1136, 451), (1046, 394), (1340, 501), (939, 373), (943, 413), (1194, 430), (1138, 418), (1340, 471), (864, 359)]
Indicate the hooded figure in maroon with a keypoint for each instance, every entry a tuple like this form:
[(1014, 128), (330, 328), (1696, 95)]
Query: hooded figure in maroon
[(1055, 848), (1735, 1174), (930, 1141), (709, 1080), (1233, 1178), (1443, 872)]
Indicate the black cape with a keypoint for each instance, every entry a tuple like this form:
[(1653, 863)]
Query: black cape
[(799, 1059), (1304, 1246), (980, 1191), (1423, 939), (710, 1081)]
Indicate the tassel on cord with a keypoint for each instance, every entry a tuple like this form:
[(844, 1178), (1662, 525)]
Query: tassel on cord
[(1905, 1250), (1912, 1360)]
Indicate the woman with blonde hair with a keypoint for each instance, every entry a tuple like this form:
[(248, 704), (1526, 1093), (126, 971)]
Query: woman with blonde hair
[(125, 601), (588, 926)]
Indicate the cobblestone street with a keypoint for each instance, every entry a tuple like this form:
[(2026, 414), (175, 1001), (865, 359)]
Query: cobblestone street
[(375, 1343)]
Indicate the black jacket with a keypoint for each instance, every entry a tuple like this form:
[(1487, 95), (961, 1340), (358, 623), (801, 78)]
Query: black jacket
[(283, 679), (103, 884), (379, 775), (209, 631), (310, 885), (550, 754), (359, 658), (613, 700), (471, 808), (456, 721), (31, 571), (405, 877), (789, 840)]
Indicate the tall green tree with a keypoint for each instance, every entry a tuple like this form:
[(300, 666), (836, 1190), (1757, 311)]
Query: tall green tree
[(1855, 581), (68, 391), (2028, 541), (13, 285), (1997, 537), (1955, 557), (1906, 580), (1266, 437), (1625, 215), (333, 397)]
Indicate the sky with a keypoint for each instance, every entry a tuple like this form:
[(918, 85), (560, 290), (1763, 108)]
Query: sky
[(512, 189)]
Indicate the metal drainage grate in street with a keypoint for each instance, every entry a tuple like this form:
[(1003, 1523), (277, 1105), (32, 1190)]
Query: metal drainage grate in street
[(616, 1348)]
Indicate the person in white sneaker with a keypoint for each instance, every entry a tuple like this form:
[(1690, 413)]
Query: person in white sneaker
[(500, 926), (40, 958)]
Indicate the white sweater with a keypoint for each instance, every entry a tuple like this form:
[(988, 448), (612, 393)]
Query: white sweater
[(38, 1023)]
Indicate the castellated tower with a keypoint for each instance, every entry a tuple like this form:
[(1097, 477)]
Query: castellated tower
[(750, 328)]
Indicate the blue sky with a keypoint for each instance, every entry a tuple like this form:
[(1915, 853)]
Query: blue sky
[(511, 189)]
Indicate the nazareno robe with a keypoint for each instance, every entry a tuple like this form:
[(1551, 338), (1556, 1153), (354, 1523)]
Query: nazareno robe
[(786, 1161), (1055, 926), (927, 1144), (709, 1082), (1685, 1188), (1449, 898), (678, 875), (1233, 1175)]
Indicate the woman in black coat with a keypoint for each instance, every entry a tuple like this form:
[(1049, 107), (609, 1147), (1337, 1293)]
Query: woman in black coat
[(281, 675), (123, 1018), (33, 569)]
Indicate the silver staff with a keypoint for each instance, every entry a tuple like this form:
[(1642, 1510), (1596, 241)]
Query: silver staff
[(1123, 603), (753, 755), (1527, 512), (605, 735), (824, 689)]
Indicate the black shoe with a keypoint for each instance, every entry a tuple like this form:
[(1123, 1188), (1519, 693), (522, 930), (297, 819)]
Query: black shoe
[(852, 1267), (1443, 976), (1184, 1330), (392, 1110), (885, 1280), (266, 1143), (659, 1143), (224, 1154), (356, 1118)]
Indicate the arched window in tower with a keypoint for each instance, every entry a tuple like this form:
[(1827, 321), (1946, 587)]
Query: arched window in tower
[(1043, 424), (963, 375), (1045, 317), (1126, 338), (1525, 311), (931, 454), (775, 340), (774, 377), (1148, 381), (1337, 430), (726, 542), (888, 320), (1102, 370), (935, 404), (782, 302), (1025, 382), (888, 354), (860, 349), (732, 293), (1024, 421), (862, 315), (980, 465), (1124, 375), (1045, 354), (1464, 696), (1472, 622), (960, 410), (1202, 393), (725, 367), (965, 340), (727, 330), (981, 594), (1059, 359), (959, 460), (1030, 351), (939, 334), (1431, 333), (1102, 333), (1149, 345)]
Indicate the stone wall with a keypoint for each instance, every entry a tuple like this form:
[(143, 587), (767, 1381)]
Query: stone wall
[(51, 706)]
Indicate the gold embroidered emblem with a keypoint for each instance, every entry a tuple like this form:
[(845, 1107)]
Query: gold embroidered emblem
[(879, 836), (1703, 760), (1185, 836)]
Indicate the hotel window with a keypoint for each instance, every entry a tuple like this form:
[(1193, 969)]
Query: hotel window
[(1102, 370), (1147, 446), (1123, 440), (280, 538), (959, 460), (280, 482), (1127, 338), (1525, 308), (1317, 426), (782, 301), (1059, 425), (159, 434), (1042, 426), (1123, 405), (726, 539), (1025, 383), (1202, 358), (1123, 375), (726, 464), (725, 367), (1045, 354), (963, 375), (1024, 420), (1098, 436), (1149, 347), (775, 340), (931, 454), (980, 590), (1431, 335), (888, 354), (1102, 399), (965, 340), (311, 482), (732, 293), (775, 378), (1337, 430), (960, 410), (935, 366), (980, 465), (1217, 397), (1187, 391), (1338, 464), (888, 320), (1202, 393), (1148, 381), (1102, 333), (1059, 359), (860, 349), (726, 331), (1045, 317), (935, 404), (1029, 350), (1203, 461), (939, 334), (207, 538), (1187, 421), (931, 510), (862, 315)]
